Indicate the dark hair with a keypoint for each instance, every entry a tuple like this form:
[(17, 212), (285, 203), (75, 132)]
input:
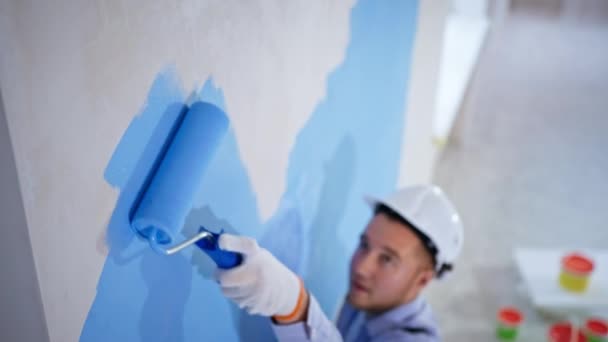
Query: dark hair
[(427, 243)]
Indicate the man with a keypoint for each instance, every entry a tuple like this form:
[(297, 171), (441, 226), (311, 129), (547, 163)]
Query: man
[(414, 236)]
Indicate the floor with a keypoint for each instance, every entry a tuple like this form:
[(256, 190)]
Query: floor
[(527, 162)]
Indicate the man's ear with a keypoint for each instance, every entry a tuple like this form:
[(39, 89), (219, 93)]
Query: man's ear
[(425, 277)]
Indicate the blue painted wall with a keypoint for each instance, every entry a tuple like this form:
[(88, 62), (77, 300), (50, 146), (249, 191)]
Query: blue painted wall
[(349, 146)]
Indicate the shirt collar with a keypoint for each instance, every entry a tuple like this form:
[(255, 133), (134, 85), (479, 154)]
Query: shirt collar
[(375, 325)]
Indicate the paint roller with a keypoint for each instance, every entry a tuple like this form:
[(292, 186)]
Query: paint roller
[(167, 194)]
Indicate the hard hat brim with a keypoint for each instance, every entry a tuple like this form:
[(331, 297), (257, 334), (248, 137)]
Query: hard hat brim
[(373, 202)]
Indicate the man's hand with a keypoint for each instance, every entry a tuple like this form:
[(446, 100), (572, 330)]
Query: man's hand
[(262, 284)]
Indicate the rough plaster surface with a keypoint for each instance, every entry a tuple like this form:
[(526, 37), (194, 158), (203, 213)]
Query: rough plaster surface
[(336, 158), (74, 73), (80, 72)]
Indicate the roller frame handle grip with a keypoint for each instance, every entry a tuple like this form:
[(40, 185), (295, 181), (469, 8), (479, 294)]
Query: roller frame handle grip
[(222, 258)]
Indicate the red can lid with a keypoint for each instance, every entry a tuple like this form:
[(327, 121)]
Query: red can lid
[(597, 326), (563, 332), (510, 316), (577, 263)]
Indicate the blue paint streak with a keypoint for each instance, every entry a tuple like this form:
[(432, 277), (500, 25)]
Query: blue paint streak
[(164, 91), (353, 140), (350, 146)]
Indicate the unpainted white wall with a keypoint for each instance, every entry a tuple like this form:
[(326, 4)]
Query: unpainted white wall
[(74, 74), (419, 150)]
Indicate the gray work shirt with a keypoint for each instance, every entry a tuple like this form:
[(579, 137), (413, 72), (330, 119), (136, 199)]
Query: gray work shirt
[(412, 322)]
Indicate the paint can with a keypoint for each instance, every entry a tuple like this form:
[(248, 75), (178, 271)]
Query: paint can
[(596, 330), (509, 321), (576, 271), (565, 332)]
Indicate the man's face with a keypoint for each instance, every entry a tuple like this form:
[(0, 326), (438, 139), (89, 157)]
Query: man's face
[(389, 267)]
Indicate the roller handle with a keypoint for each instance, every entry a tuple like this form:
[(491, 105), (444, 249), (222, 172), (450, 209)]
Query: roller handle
[(223, 259)]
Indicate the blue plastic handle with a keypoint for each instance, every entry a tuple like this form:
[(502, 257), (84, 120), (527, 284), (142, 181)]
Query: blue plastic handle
[(223, 259)]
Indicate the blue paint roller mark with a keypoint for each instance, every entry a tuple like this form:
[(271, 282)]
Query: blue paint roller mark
[(134, 279), (136, 284), (352, 143), (164, 91), (350, 146)]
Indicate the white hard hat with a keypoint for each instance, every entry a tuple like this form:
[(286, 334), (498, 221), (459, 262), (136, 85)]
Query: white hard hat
[(431, 213)]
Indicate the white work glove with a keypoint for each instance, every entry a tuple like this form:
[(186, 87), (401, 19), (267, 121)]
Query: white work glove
[(261, 284)]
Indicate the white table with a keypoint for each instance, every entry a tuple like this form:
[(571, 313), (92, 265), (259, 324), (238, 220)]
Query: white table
[(540, 269)]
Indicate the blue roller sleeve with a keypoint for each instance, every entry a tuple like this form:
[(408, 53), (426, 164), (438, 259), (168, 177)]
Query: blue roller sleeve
[(173, 183), (223, 259)]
